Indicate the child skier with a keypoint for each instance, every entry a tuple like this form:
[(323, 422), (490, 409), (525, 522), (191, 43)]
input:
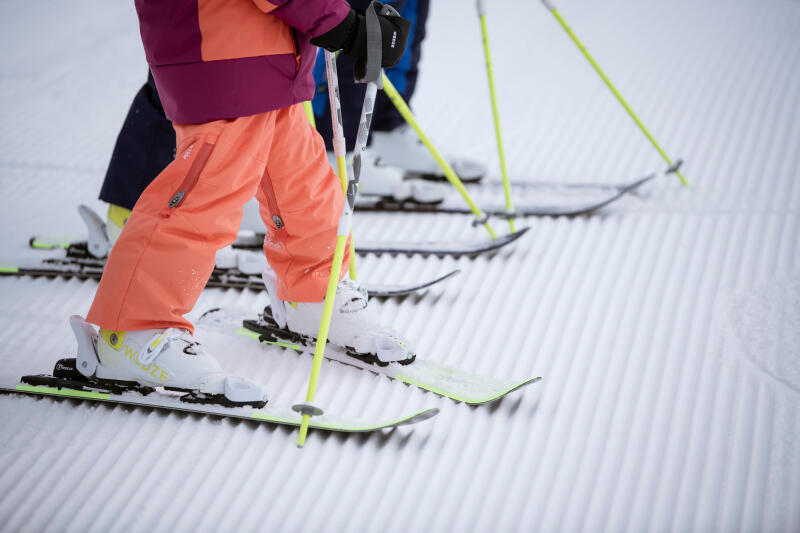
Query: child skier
[(231, 75)]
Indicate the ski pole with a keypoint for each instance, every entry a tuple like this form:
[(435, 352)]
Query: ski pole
[(372, 77), (339, 145), (449, 173), (549, 5), (500, 152), (343, 231)]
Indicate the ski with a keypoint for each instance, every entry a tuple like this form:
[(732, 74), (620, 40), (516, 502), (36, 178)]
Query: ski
[(87, 267), (446, 381), (552, 199), (255, 241), (473, 248), (67, 382)]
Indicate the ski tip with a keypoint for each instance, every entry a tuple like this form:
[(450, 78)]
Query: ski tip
[(423, 415), (500, 394), (508, 238), (450, 274)]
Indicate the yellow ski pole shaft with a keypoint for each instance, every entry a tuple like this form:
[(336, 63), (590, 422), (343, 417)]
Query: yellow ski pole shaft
[(322, 335), (358, 151), (339, 146), (449, 173), (496, 113), (309, 113), (611, 87), (345, 224)]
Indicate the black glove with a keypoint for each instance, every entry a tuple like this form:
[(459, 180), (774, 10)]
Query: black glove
[(350, 36)]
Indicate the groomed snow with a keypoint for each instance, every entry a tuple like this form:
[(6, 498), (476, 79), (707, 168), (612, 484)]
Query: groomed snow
[(665, 328)]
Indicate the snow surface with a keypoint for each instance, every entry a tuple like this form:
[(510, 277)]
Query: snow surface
[(666, 327)]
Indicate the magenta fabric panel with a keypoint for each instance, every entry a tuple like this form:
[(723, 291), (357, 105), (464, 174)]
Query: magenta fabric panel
[(170, 31), (312, 17), (194, 93)]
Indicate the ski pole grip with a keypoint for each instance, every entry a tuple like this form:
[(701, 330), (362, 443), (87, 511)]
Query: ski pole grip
[(481, 8), (549, 5), (372, 70)]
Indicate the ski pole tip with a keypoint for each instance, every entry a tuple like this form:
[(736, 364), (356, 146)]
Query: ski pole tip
[(301, 439)]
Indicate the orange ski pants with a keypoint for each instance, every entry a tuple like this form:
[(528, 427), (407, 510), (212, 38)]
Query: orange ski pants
[(165, 254)]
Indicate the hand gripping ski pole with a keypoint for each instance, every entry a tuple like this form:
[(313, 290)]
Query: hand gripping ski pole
[(500, 152), (350, 186), (449, 173), (343, 231), (372, 77), (549, 5)]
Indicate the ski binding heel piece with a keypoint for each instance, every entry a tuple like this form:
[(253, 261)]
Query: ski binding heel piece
[(391, 350), (85, 334), (237, 392), (245, 392), (97, 242)]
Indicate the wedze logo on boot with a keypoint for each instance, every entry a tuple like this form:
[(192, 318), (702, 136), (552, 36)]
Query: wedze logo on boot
[(151, 368)]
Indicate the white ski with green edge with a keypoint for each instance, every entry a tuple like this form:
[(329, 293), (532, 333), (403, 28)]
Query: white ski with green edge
[(278, 415), (447, 381)]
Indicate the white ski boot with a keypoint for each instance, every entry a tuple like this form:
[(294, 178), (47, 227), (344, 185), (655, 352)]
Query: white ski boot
[(354, 325), (169, 358), (388, 182), (402, 148), (102, 235)]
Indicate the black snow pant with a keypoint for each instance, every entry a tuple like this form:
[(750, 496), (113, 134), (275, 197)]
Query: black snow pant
[(145, 146)]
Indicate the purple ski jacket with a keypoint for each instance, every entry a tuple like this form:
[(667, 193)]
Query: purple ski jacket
[(223, 59)]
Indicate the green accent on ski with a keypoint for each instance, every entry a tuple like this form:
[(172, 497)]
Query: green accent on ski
[(254, 335), (9, 269), (465, 399), (45, 245), (471, 400), (63, 392)]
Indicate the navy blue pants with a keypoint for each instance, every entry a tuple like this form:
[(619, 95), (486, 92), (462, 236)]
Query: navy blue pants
[(145, 146), (146, 142)]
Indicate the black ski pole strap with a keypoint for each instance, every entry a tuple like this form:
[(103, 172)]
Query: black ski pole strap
[(372, 70)]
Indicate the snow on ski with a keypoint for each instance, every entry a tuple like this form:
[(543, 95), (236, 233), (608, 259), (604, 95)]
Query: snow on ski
[(446, 381)]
